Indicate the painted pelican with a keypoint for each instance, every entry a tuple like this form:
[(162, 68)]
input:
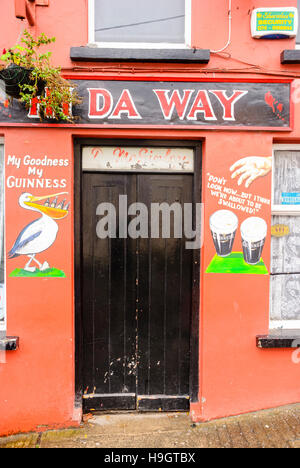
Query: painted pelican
[(39, 235)]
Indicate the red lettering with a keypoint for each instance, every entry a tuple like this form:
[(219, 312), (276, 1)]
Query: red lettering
[(49, 110), (35, 104), (228, 103), (125, 105), (168, 103), (34, 108), (202, 105), (98, 109)]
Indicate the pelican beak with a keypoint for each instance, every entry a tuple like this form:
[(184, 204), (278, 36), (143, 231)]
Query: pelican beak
[(49, 209)]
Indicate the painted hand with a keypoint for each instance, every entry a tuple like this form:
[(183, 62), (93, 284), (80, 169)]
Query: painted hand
[(249, 169)]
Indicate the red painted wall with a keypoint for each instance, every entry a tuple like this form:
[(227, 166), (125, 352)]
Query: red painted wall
[(37, 381)]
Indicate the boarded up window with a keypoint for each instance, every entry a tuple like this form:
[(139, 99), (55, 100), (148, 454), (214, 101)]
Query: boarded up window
[(285, 264), (286, 175)]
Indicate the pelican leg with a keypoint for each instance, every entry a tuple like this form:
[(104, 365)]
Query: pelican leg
[(43, 266), (28, 267)]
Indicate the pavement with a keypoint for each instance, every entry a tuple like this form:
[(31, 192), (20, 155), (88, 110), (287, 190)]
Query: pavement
[(276, 428)]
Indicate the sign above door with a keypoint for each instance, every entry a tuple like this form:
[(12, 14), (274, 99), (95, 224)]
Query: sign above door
[(158, 104), (141, 159)]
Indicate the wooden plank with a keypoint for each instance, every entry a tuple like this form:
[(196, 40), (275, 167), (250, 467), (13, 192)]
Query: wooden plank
[(289, 57), (109, 402), (286, 250), (96, 54), (108, 294), (163, 403), (165, 284)]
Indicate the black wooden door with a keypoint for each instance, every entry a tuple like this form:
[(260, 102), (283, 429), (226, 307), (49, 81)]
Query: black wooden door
[(137, 297)]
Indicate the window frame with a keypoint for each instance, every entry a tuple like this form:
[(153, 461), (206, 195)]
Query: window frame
[(283, 210), (297, 45), (140, 45)]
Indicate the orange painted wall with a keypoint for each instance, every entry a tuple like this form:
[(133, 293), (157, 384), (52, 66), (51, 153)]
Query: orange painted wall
[(37, 381), (235, 376)]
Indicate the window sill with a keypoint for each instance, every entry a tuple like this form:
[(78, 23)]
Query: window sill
[(290, 57), (279, 339), (98, 54), (9, 343)]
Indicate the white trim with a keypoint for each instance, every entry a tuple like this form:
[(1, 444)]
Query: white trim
[(286, 147), (140, 45), (284, 324), (1, 140), (91, 21), (188, 23), (137, 45), (297, 46), (285, 210)]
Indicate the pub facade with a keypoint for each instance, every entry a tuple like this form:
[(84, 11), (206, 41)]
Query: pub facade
[(150, 248)]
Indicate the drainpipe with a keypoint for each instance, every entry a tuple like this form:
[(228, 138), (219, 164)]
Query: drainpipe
[(25, 9), (30, 12)]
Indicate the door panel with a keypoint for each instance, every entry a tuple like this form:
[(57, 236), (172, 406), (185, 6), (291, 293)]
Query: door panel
[(108, 295), (165, 279), (137, 297)]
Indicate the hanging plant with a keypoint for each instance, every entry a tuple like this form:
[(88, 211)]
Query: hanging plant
[(28, 74)]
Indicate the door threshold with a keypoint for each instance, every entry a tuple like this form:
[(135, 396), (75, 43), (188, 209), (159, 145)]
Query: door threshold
[(112, 401), (163, 403)]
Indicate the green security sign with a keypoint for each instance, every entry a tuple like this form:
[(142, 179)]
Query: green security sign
[(274, 22)]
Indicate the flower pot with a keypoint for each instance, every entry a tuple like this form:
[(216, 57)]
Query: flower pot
[(14, 76)]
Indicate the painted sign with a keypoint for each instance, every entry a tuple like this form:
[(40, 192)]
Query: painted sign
[(290, 198), (117, 158), (239, 244), (178, 104), (45, 210), (274, 21), (280, 230)]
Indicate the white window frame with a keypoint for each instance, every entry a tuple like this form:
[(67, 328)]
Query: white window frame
[(283, 210), (297, 46), (140, 45)]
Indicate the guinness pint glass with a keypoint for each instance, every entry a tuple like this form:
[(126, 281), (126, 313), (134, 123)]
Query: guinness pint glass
[(254, 233), (223, 226)]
